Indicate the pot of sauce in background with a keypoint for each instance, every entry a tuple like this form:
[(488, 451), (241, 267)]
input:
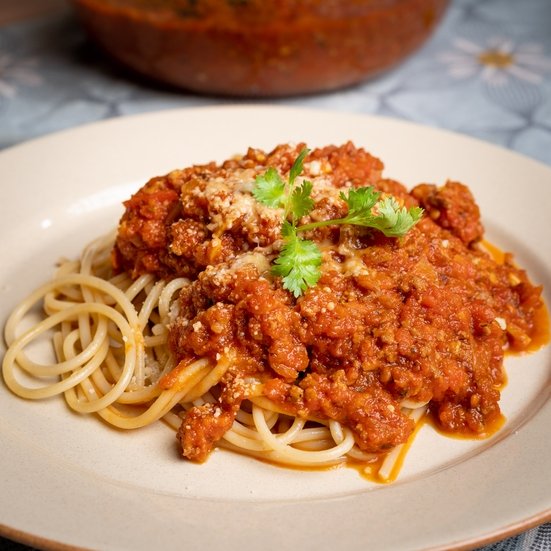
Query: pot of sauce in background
[(259, 47)]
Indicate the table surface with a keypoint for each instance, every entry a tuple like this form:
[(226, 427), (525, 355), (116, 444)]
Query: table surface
[(52, 78)]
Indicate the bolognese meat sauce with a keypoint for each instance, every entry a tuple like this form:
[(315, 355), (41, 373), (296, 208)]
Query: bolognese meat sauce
[(391, 322)]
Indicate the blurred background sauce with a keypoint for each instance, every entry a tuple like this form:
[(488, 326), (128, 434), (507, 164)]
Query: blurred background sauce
[(259, 47)]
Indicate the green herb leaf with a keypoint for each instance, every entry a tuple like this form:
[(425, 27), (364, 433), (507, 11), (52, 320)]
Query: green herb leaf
[(360, 201), (393, 220), (299, 260), (386, 215), (301, 203), (298, 263), (270, 189), (297, 167), (288, 230)]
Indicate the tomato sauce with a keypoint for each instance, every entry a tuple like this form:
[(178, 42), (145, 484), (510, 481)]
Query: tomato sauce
[(391, 324), (260, 47)]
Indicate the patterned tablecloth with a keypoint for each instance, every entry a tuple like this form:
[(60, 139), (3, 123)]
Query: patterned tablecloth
[(486, 73)]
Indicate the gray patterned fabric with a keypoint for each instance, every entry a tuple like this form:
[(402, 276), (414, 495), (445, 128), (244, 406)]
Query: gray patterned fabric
[(538, 539)]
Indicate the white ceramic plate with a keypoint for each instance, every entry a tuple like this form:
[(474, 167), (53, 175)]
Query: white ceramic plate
[(71, 480)]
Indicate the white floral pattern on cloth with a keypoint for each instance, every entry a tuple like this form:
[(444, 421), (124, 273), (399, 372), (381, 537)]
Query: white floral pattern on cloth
[(498, 61), (486, 73)]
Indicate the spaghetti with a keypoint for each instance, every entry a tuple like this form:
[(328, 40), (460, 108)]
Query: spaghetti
[(110, 340), (190, 328)]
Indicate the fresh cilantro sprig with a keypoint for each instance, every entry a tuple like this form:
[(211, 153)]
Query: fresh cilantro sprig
[(299, 260), (366, 208), (271, 190)]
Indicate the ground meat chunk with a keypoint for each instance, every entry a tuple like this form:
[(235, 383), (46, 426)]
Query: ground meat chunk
[(452, 207), (202, 428)]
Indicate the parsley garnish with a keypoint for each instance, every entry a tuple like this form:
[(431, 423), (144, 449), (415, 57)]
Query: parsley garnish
[(299, 260)]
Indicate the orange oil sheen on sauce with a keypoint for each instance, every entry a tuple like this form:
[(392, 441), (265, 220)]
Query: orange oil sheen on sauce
[(539, 338), (540, 335), (370, 471)]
